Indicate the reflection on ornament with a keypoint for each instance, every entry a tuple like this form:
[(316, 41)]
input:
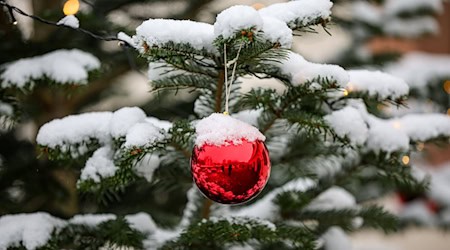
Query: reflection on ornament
[(232, 173), (71, 7)]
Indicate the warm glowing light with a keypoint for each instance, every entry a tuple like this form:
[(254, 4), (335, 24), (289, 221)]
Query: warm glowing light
[(396, 124), (71, 7), (350, 87), (448, 111), (345, 92), (420, 146), (258, 6), (405, 160), (447, 86)]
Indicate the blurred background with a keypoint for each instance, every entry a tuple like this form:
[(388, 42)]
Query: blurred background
[(368, 34)]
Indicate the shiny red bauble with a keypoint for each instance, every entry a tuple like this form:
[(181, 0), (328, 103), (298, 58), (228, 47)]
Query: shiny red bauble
[(231, 174)]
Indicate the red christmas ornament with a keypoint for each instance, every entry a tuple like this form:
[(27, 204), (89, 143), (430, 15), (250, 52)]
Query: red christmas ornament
[(232, 173)]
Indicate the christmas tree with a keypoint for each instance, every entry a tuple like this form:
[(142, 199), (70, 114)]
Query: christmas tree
[(318, 134)]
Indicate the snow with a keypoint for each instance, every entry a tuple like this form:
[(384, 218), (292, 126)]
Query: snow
[(395, 7), (265, 208), (440, 184), (157, 32), (193, 198), (30, 230), (249, 116), (367, 12), (164, 125), (302, 71), (301, 12), (141, 134), (423, 127), (219, 129), (376, 83), (124, 37), (6, 109), (61, 66), (387, 137), (70, 21), (275, 31), (147, 166), (75, 129), (418, 68), (336, 239), (91, 220), (418, 211), (390, 135), (235, 19), (411, 28), (100, 165), (123, 119), (348, 122), (240, 220), (332, 198), (141, 222)]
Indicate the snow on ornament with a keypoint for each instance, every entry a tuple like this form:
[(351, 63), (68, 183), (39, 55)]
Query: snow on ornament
[(230, 163)]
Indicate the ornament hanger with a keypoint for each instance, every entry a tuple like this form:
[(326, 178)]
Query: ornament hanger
[(227, 64)]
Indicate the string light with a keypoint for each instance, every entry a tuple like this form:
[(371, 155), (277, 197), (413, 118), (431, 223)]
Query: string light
[(14, 9), (258, 6), (396, 124), (71, 7), (350, 87), (11, 16), (405, 160), (447, 86)]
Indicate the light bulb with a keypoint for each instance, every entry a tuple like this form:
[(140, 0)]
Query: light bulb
[(71, 7)]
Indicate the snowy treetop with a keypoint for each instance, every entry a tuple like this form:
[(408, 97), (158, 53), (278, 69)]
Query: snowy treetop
[(235, 19), (300, 12), (418, 68), (60, 66), (378, 84), (219, 129), (157, 32), (273, 23)]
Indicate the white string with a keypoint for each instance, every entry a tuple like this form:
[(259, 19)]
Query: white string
[(228, 87), (226, 76)]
